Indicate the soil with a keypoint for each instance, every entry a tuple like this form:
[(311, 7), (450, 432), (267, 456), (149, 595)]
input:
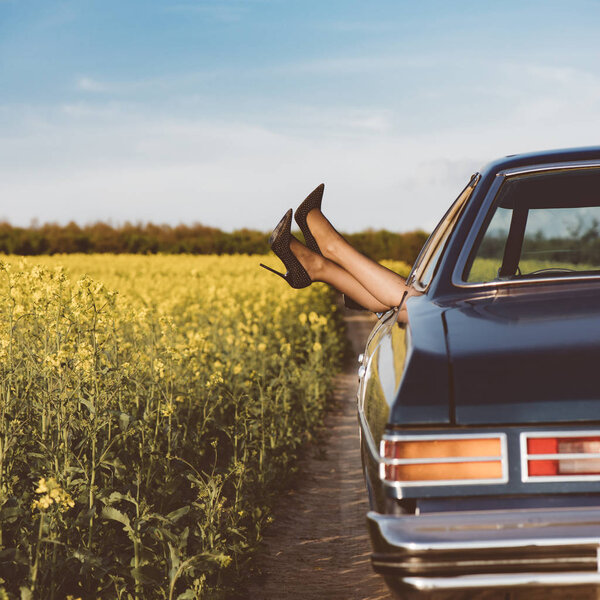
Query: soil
[(318, 546)]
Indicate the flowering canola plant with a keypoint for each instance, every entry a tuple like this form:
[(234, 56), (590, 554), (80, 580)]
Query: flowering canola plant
[(150, 408)]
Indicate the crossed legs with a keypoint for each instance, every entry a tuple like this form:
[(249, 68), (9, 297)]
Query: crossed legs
[(362, 279)]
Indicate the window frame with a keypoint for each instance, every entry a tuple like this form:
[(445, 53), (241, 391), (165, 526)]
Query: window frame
[(485, 214), (436, 240)]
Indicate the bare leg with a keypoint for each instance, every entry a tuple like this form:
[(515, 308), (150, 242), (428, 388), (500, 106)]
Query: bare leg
[(385, 285), (320, 268)]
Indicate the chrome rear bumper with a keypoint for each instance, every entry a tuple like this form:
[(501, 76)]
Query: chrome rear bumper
[(488, 549)]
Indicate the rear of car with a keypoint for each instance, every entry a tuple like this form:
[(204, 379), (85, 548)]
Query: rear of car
[(480, 416)]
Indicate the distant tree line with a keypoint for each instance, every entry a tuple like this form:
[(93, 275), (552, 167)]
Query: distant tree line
[(579, 245), (148, 238)]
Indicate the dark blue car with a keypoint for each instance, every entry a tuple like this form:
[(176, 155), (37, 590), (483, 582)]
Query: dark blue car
[(479, 400)]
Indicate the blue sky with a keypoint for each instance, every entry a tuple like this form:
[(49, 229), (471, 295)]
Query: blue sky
[(228, 112)]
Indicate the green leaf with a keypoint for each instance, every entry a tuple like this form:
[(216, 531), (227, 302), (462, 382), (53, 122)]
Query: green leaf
[(175, 562), (177, 514), (88, 405), (117, 497), (124, 420), (147, 575), (189, 594), (108, 512)]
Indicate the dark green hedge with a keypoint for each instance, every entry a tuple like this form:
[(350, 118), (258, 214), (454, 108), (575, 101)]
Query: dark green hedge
[(148, 238)]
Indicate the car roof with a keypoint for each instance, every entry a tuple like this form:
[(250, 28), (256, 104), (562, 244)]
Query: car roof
[(544, 157)]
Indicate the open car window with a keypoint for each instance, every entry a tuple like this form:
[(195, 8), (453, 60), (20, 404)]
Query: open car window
[(545, 224), (433, 249)]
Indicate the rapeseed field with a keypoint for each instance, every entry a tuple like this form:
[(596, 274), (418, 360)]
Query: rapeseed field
[(150, 409)]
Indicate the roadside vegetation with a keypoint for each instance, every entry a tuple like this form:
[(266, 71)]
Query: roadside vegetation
[(150, 409)]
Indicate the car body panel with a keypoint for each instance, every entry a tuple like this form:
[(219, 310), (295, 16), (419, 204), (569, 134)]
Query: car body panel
[(543, 341)]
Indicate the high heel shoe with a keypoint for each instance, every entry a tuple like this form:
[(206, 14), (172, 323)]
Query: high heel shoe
[(279, 241), (313, 200)]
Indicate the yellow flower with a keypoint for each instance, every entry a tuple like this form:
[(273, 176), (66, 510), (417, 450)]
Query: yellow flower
[(167, 410), (52, 494), (317, 347), (261, 347)]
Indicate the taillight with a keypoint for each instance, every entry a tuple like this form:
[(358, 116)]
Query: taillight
[(444, 459), (567, 456)]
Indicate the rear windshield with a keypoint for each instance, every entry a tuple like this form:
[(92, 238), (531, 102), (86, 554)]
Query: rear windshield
[(541, 225)]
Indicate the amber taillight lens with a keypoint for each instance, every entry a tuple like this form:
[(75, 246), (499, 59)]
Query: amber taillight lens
[(563, 456), (447, 459)]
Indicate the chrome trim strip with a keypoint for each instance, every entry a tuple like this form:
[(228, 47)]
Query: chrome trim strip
[(525, 456), (563, 433), (437, 461), (565, 456), (468, 545), (442, 482), (501, 176), (432, 564), (565, 166), (495, 581), (502, 284), (391, 437)]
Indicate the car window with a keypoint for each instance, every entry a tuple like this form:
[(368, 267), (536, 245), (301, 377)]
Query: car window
[(429, 257), (541, 225)]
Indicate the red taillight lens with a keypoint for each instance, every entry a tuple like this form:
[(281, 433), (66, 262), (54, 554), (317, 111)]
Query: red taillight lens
[(448, 459), (563, 456), (542, 446)]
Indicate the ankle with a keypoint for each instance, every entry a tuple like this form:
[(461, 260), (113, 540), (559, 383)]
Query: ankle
[(313, 263), (315, 266)]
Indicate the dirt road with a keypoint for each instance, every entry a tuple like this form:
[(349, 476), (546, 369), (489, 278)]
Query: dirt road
[(318, 547)]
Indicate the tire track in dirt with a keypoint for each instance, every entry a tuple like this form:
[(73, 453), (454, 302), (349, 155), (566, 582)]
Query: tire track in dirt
[(318, 546)]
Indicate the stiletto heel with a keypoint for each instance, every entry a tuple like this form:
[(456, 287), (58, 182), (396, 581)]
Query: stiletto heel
[(272, 270), (279, 241), (313, 200)]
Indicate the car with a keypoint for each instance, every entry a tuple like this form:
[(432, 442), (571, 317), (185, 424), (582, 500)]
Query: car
[(479, 397)]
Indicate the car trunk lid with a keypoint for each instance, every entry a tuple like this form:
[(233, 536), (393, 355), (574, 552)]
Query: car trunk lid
[(523, 357)]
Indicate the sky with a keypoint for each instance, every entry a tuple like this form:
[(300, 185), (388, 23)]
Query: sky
[(229, 112)]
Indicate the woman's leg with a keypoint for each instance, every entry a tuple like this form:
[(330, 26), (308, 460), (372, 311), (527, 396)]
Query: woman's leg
[(320, 268), (384, 285)]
